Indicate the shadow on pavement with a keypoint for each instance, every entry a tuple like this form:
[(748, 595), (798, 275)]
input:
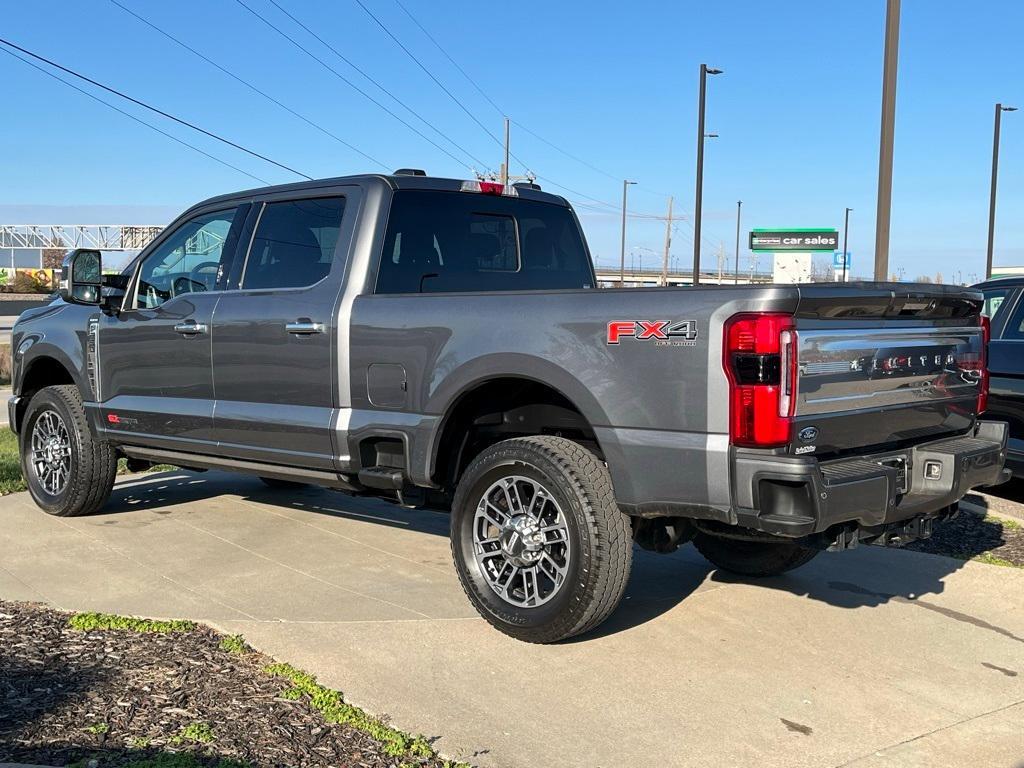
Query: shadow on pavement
[(867, 577), (165, 489), (1011, 490)]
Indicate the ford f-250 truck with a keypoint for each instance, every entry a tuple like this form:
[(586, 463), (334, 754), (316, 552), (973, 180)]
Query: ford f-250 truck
[(445, 344)]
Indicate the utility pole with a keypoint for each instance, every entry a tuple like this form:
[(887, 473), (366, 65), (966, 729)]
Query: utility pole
[(668, 243), (992, 195), (622, 247), (736, 276), (885, 149), (721, 260), (705, 70), (846, 231), (504, 165)]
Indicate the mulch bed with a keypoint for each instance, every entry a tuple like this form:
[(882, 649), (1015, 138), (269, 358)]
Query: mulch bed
[(973, 535), (126, 698)]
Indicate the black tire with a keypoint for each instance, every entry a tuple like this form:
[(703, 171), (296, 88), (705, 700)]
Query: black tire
[(753, 558), (598, 550), (281, 485), (92, 464)]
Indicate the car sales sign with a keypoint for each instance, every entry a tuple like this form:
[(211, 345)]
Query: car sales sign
[(794, 240)]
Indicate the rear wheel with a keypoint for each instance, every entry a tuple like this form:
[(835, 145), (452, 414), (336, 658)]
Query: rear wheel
[(753, 558), (68, 473), (540, 546)]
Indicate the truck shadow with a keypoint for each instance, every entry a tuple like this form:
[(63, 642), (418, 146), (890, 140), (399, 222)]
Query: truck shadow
[(864, 578)]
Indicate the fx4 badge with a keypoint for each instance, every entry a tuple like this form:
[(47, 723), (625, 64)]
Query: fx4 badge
[(664, 333)]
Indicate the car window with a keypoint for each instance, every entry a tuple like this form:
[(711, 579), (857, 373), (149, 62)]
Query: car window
[(188, 261), (458, 241), (294, 243), (1014, 328), (994, 302)]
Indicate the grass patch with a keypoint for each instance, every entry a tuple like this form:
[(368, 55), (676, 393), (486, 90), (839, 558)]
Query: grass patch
[(196, 733), (87, 622), (11, 480), (1007, 523), (989, 559), (234, 644), (97, 728), (333, 708)]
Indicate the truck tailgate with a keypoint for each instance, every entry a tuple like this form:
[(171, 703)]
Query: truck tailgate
[(885, 369)]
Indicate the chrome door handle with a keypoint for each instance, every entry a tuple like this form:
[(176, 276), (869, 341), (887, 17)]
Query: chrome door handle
[(190, 328), (304, 327)]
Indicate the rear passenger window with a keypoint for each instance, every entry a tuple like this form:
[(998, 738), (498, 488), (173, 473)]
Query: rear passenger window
[(294, 243), (457, 241)]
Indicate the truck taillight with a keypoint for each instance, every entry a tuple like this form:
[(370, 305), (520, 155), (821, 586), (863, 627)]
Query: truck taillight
[(761, 365), (986, 334)]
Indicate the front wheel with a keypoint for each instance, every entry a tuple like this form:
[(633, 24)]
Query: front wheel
[(67, 471), (753, 558), (540, 546)]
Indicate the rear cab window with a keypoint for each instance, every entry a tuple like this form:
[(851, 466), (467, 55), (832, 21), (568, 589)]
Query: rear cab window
[(456, 241)]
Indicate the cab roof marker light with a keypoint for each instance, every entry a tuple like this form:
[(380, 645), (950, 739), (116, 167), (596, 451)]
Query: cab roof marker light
[(489, 188)]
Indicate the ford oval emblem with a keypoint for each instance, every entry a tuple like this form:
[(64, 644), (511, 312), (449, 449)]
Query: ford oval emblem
[(808, 434)]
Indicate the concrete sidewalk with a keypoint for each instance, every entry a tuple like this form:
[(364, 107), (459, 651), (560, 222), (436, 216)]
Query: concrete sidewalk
[(869, 658)]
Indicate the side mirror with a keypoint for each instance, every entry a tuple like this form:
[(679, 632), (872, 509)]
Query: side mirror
[(81, 275)]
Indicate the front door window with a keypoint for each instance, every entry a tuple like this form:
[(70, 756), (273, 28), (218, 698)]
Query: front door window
[(189, 261)]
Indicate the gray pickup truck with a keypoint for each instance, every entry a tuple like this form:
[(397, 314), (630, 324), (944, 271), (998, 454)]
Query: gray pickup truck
[(444, 344)]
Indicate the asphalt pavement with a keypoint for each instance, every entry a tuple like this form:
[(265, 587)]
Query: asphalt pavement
[(867, 658)]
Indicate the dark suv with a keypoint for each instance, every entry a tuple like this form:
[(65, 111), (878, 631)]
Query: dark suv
[(1004, 305)]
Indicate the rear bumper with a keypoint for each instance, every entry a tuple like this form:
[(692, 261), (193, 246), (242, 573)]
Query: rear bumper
[(800, 496)]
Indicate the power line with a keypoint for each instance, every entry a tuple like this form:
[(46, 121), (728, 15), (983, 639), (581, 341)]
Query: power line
[(362, 72), (249, 85), (567, 154), (352, 85), (430, 74), (139, 120), (465, 74), (151, 108)]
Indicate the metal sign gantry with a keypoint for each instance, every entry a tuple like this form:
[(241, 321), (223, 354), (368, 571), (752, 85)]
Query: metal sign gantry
[(105, 237)]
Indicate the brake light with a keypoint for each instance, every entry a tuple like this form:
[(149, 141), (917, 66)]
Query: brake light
[(986, 334), (489, 188), (761, 365)]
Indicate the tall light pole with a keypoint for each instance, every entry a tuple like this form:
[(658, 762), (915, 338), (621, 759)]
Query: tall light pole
[(736, 271), (622, 247), (885, 148), (846, 232), (705, 70), (992, 195)]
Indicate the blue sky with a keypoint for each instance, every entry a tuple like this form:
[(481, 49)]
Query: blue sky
[(797, 111)]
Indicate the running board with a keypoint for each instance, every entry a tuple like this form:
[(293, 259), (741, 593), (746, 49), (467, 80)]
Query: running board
[(275, 471), (382, 478)]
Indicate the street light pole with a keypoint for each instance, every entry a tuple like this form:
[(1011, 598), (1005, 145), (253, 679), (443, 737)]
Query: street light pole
[(885, 148), (736, 271), (846, 232), (992, 195), (622, 248), (705, 70)]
